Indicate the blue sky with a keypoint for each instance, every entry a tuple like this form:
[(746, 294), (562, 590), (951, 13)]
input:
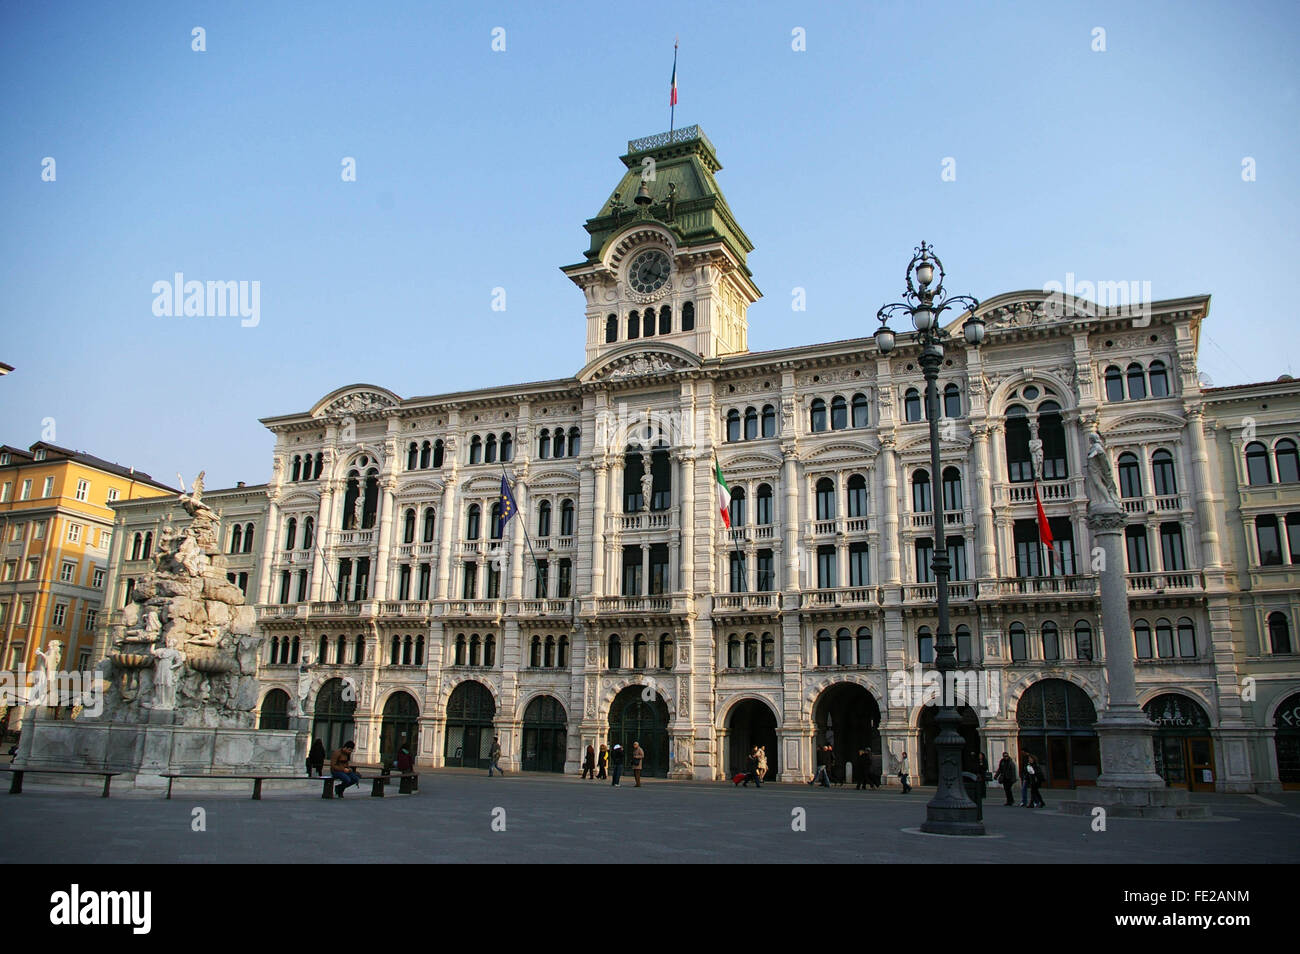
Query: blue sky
[(476, 169)]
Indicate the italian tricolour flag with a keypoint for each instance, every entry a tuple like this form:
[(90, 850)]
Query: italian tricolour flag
[(724, 496)]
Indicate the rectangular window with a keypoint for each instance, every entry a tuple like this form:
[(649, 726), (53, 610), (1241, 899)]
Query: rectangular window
[(33, 566), (1060, 562), (426, 573), (74, 533), (564, 583), (83, 489), (737, 575), (1293, 535), (17, 654), (92, 618), (543, 579), (493, 582), (1139, 560), (302, 586), (112, 494), (924, 561), (97, 578), (48, 489), (1171, 547), (1028, 548), (127, 584), (6, 490), (38, 530), (284, 586), (68, 572), (26, 493), (469, 581), (660, 579), (827, 571), (766, 567), (105, 539), (404, 581), (24, 612), (83, 660), (631, 571), (4, 612), (15, 533), (1269, 540), (859, 565), (957, 558), (60, 614), (11, 570)]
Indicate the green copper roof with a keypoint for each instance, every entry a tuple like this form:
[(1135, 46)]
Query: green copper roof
[(686, 196)]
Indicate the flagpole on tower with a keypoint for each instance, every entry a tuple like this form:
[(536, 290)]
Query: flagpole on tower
[(672, 96)]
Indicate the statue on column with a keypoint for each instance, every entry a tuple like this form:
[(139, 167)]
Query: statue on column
[(647, 480), (1103, 494), (358, 506), (304, 686), (1036, 449), (45, 687)]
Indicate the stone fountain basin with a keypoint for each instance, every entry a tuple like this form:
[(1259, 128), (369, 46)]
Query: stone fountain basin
[(209, 661), (132, 660)]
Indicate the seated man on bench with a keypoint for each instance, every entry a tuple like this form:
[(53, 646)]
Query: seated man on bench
[(341, 768)]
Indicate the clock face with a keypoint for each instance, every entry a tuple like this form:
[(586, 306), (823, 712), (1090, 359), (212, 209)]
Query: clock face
[(649, 271)]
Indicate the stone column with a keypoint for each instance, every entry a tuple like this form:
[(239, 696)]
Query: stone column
[(520, 491), (1206, 514), (790, 517), (987, 565), (686, 511), (600, 486), (270, 537), (323, 528), (446, 536), (889, 508), (379, 591)]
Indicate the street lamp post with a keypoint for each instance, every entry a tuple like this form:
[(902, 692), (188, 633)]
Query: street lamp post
[(950, 812)]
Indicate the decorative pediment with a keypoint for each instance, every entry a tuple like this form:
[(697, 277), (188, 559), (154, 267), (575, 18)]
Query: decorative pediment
[(355, 400), (1019, 309), (653, 362)]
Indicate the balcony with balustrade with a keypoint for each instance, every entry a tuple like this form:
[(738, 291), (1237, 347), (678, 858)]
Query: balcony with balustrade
[(659, 604), (727, 604), (839, 597), (1049, 491), (354, 538), (642, 521)]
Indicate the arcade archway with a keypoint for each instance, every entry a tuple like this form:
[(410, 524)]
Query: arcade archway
[(470, 711), (970, 733), (751, 722), (332, 717), (1184, 750), (275, 710), (633, 719), (1057, 722), (847, 718), (1287, 742), (545, 734), (400, 727)]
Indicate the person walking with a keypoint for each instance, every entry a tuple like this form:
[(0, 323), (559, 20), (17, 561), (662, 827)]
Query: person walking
[(904, 774), (316, 759), (1036, 781), (341, 768), (823, 769), (1026, 774), (602, 762), (589, 763), (494, 757), (1006, 776), (616, 761), (862, 768), (981, 773), (762, 762), (751, 769), (638, 759)]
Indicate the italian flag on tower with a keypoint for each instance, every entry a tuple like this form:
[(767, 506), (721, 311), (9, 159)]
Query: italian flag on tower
[(724, 495)]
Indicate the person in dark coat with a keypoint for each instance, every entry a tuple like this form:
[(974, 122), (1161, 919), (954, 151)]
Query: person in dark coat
[(316, 759), (1006, 777), (1036, 781), (602, 762), (825, 760), (589, 763), (981, 770), (616, 761), (862, 769), (405, 765), (751, 769)]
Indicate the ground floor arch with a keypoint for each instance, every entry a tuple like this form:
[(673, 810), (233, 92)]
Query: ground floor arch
[(1184, 750), (332, 717), (1286, 722), (275, 710), (751, 722), (1057, 725), (400, 727), (545, 735), (969, 729), (847, 718), (635, 718), (470, 713)]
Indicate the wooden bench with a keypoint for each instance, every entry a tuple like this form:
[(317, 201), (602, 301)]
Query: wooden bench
[(377, 782), (16, 783), (255, 779)]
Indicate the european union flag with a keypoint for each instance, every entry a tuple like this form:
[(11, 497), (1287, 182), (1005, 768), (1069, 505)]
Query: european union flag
[(508, 507)]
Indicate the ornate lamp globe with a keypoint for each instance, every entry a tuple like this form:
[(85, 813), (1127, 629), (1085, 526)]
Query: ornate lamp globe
[(925, 272), (973, 329), (923, 317), (885, 339)]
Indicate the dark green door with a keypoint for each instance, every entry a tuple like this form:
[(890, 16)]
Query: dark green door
[(470, 712), (545, 735), (633, 719)]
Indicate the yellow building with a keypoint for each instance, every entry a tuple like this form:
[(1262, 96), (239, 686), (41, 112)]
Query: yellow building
[(56, 529)]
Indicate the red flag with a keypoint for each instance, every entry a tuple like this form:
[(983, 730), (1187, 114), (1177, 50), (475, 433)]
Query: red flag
[(672, 99), (1044, 529)]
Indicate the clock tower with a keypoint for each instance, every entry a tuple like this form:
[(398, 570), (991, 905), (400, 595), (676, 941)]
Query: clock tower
[(667, 258)]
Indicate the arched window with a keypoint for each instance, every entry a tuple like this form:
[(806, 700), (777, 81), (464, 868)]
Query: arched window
[(1159, 379), (544, 444), (738, 506), (297, 467), (964, 645), (341, 650), (733, 426), (952, 497), (476, 450), (1186, 638), (825, 499), (611, 329), (562, 652), (320, 463), (859, 410), (293, 655), (308, 532), (751, 424), (769, 421), (1142, 638), (751, 651), (566, 518), (575, 442), (236, 541), (952, 401), (825, 648), (843, 647), (1082, 640), (419, 650), (535, 655), (1164, 638), (494, 522), (507, 447), (475, 650), (615, 654), (1279, 634), (688, 317), (665, 320), (557, 443), (857, 496), (667, 657), (490, 449), (412, 455), (649, 323), (1137, 382), (912, 405), (865, 655), (437, 453), (359, 650), (408, 527), (735, 659), (924, 645), (1258, 471), (427, 535), (395, 651), (1288, 461), (1130, 477), (1019, 642), (472, 517), (1162, 473), (148, 545), (921, 500), (839, 413), (248, 539), (634, 325), (639, 643), (544, 519), (548, 653), (1051, 429), (1114, 384), (1051, 642), (1020, 467), (322, 650), (769, 651), (763, 505), (817, 416), (460, 650)]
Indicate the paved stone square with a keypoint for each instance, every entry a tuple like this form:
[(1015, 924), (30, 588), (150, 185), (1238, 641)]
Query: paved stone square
[(553, 818)]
